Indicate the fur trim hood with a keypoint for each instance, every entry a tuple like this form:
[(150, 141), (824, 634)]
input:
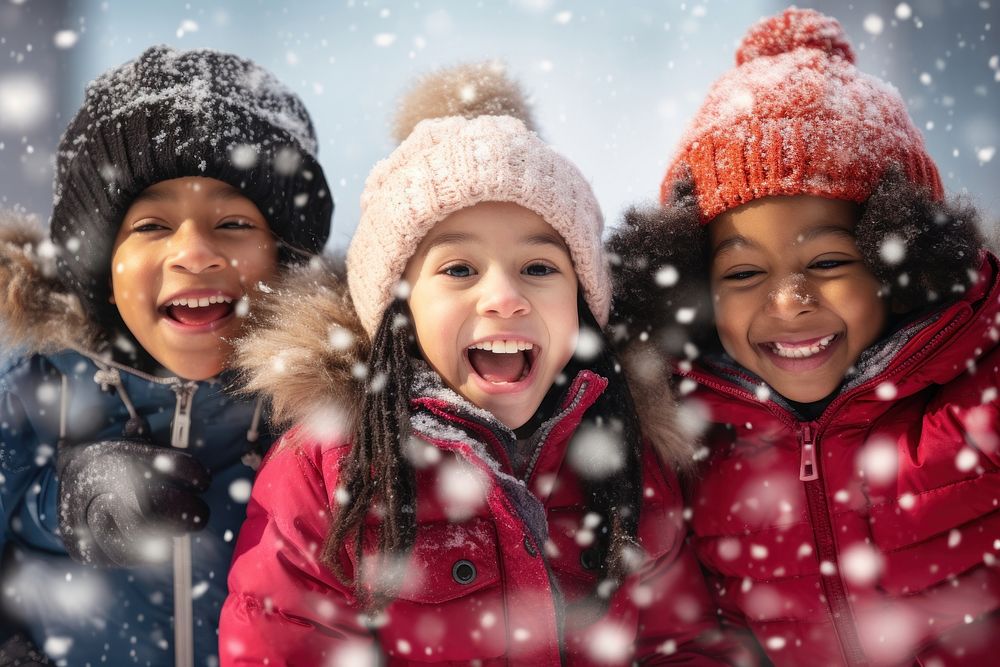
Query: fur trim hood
[(305, 349), (38, 314)]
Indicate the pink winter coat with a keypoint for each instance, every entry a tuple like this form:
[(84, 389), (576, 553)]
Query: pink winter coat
[(870, 535), (476, 587)]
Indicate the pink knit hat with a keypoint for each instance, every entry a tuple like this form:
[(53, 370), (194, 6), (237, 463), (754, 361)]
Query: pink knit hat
[(795, 116), (451, 163)]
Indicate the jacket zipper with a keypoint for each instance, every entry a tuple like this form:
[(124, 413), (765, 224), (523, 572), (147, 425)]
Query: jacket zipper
[(181, 425), (816, 501), (183, 601), (826, 547), (807, 443)]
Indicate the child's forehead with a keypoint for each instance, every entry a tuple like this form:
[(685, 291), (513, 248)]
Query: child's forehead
[(493, 225), (783, 220), (177, 188)]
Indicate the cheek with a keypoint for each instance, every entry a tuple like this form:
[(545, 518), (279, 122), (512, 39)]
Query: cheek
[(865, 312), (259, 263), (132, 278), (732, 318), (436, 320)]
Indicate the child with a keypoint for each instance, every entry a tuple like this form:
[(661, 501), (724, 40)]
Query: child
[(484, 501), (846, 508), (185, 182)]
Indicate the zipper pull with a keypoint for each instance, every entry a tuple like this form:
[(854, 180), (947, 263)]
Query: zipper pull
[(807, 470), (182, 414)]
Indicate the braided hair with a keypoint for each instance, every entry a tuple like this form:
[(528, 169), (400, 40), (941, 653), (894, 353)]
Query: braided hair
[(377, 475)]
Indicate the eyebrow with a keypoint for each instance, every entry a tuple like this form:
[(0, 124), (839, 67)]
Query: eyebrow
[(222, 191), (812, 234), (459, 237)]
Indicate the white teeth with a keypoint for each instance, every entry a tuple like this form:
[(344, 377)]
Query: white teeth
[(202, 302), (801, 351), (502, 346)]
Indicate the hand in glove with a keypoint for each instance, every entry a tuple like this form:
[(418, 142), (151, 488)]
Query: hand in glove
[(121, 500)]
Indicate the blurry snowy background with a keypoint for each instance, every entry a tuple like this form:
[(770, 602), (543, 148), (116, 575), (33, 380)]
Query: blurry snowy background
[(613, 83)]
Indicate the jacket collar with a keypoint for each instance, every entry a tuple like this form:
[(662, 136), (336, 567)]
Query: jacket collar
[(439, 413)]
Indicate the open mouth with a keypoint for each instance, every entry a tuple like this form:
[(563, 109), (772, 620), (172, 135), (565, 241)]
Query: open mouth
[(198, 311), (502, 361), (801, 349)]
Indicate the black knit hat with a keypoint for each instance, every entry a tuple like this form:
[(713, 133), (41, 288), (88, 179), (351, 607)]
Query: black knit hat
[(169, 114)]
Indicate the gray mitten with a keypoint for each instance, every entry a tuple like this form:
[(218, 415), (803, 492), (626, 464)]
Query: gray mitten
[(121, 500)]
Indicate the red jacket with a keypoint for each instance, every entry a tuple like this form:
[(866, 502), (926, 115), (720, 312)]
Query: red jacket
[(475, 587), (872, 534)]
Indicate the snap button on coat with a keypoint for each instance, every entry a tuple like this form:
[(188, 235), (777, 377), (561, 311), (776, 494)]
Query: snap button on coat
[(463, 572)]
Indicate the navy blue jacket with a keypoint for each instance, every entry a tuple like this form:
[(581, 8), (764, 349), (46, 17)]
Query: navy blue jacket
[(52, 387), (111, 616)]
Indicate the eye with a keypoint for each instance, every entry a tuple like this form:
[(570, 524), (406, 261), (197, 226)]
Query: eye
[(738, 276), (236, 223), (457, 271), (827, 264), (538, 269), (149, 226)]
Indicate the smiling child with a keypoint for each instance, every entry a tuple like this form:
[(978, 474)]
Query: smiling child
[(184, 182), (467, 481), (836, 325)]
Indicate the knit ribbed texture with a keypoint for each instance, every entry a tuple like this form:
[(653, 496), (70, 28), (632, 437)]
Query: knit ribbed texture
[(169, 114), (448, 164), (797, 117)]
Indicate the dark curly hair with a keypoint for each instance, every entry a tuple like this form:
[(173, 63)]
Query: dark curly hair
[(660, 261)]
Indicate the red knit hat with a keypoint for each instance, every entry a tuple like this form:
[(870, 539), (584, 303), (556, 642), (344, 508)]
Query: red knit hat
[(797, 117)]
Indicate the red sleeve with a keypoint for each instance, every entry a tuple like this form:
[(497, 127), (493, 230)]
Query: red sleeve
[(285, 607), (666, 604)]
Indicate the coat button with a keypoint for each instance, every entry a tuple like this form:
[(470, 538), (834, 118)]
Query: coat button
[(463, 572), (529, 546), (590, 558)]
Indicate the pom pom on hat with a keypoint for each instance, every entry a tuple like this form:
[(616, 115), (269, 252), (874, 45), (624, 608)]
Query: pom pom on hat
[(795, 116), (469, 90), (448, 163), (794, 29)]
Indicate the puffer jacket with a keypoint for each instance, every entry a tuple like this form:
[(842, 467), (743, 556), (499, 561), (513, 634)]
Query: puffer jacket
[(480, 585), (54, 389), (871, 535)]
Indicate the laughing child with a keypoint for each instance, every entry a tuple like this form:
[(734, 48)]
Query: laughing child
[(491, 499), (184, 182), (847, 507)]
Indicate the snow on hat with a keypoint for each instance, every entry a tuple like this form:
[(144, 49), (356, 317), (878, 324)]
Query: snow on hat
[(169, 114), (471, 142), (797, 117)]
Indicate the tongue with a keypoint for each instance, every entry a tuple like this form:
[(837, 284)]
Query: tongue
[(498, 367), (199, 316)]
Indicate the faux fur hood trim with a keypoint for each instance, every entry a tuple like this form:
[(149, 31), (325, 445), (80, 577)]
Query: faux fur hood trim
[(671, 433), (38, 314), (305, 349)]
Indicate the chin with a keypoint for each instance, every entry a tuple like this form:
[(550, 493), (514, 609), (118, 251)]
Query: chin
[(194, 372), (800, 395), (512, 419)]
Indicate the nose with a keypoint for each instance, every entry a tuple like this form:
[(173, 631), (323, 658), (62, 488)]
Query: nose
[(501, 296), (192, 250), (791, 297)]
